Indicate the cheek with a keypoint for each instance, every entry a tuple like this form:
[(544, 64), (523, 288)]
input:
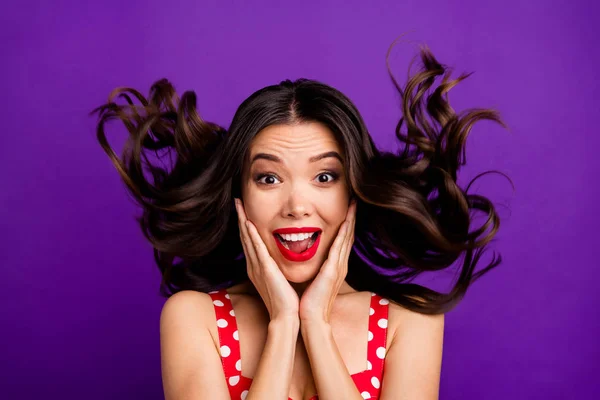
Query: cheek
[(334, 212), (257, 215), (260, 215), (334, 220)]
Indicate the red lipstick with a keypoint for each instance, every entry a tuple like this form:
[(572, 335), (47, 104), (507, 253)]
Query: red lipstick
[(297, 257), (296, 230)]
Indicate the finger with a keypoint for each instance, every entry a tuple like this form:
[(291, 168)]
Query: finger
[(240, 210), (330, 268), (245, 237), (350, 210), (353, 223), (336, 247), (261, 251), (248, 248), (349, 236)]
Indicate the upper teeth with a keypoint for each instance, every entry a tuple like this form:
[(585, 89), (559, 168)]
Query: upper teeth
[(295, 237)]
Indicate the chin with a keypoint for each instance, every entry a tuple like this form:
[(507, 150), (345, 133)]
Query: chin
[(300, 272), (300, 277)]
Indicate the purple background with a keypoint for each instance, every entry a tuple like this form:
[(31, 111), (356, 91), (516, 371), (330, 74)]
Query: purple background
[(80, 305)]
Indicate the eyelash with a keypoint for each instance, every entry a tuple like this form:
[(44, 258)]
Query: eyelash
[(259, 176)]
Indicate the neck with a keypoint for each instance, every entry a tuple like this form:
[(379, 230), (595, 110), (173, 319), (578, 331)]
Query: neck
[(300, 287), (249, 288)]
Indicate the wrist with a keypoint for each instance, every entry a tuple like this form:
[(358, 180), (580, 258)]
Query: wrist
[(313, 318), (314, 324), (288, 322)]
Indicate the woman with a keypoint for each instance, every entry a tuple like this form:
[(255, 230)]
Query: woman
[(287, 243)]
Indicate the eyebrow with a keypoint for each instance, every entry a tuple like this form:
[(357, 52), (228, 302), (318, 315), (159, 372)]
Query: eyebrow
[(274, 158)]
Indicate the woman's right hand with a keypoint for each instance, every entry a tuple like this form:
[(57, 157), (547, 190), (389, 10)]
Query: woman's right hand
[(278, 295)]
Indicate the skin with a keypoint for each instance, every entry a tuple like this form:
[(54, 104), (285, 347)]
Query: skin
[(303, 327), (296, 191), (293, 194)]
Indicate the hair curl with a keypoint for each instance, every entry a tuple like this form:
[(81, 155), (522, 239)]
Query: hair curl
[(412, 216)]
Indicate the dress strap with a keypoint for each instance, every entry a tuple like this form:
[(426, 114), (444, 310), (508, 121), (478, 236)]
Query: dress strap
[(229, 340), (378, 323)]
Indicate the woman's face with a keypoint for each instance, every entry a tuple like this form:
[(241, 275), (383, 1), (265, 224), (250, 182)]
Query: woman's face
[(296, 192)]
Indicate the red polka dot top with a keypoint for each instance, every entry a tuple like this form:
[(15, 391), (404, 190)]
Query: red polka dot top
[(368, 381)]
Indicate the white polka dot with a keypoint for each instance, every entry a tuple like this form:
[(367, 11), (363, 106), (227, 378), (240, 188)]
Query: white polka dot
[(214, 291), (372, 294), (365, 395), (371, 311), (244, 394), (382, 323), (370, 336), (218, 303), (369, 365), (225, 351), (232, 313), (238, 365), (380, 352), (236, 335), (233, 380), (375, 382), (227, 296), (383, 302), (221, 323)]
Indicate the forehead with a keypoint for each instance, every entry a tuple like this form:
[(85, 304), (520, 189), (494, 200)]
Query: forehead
[(304, 139)]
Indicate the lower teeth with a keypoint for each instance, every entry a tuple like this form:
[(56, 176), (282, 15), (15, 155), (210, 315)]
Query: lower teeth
[(310, 243)]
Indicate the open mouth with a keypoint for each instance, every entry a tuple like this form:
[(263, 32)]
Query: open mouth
[(298, 246)]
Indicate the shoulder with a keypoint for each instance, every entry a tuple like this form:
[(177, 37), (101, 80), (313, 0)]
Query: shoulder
[(186, 301), (190, 359), (413, 360), (407, 323), (184, 310), (422, 320)]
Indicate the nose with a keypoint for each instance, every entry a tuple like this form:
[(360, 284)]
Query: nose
[(297, 205)]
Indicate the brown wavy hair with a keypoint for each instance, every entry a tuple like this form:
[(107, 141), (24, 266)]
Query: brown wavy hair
[(412, 216)]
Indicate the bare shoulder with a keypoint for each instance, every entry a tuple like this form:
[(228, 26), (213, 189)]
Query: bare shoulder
[(188, 311), (402, 312), (414, 358), (408, 323), (190, 360), (186, 307), (187, 298)]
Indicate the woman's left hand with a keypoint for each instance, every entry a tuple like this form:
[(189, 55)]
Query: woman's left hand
[(317, 300)]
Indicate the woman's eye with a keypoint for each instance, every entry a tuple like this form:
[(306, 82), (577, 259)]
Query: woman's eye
[(270, 179), (331, 174)]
